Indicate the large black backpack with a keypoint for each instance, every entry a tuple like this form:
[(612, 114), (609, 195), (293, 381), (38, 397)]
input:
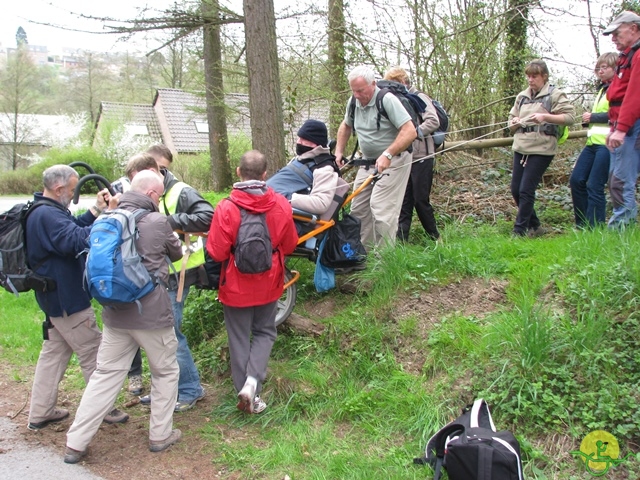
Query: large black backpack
[(15, 273), (443, 118), (411, 102), (470, 448)]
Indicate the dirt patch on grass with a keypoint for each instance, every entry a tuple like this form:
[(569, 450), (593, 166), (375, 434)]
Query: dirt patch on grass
[(467, 297), (120, 452)]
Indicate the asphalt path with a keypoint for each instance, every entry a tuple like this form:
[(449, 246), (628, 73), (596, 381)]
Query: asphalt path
[(22, 461), (6, 202)]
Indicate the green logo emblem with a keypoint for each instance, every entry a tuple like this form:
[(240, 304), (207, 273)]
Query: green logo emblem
[(599, 451)]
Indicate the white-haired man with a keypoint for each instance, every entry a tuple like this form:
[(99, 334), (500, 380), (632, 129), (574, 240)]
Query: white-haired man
[(383, 140)]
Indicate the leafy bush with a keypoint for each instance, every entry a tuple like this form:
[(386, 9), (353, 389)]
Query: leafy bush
[(21, 182)]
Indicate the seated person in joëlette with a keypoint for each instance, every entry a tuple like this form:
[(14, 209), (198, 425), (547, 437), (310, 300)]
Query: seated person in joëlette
[(311, 180)]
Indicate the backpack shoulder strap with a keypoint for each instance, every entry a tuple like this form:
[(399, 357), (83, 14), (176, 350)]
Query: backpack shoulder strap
[(380, 106), (352, 111)]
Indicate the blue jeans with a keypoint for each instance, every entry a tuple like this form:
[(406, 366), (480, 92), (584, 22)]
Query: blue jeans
[(588, 180), (623, 173), (189, 387)]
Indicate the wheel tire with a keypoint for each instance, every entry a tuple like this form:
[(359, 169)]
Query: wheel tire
[(288, 299)]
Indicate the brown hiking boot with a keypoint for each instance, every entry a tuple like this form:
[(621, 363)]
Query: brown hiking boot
[(160, 445), (73, 456), (58, 415)]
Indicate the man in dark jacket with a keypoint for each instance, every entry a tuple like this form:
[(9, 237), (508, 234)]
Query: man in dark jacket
[(186, 211), (55, 241), (126, 327), (250, 300)]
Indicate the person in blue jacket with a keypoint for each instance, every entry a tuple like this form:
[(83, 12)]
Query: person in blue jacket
[(591, 171), (55, 243)]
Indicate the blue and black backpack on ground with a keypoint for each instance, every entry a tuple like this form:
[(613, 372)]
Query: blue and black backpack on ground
[(114, 272), (469, 448)]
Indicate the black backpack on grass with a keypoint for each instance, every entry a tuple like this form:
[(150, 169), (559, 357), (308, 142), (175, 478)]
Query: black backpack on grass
[(15, 273), (470, 448)]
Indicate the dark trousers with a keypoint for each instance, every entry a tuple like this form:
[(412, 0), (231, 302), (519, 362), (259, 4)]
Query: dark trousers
[(524, 182), (588, 180), (136, 365), (417, 196)]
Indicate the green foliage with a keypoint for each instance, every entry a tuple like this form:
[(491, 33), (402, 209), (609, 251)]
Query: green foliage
[(30, 180), (556, 359)]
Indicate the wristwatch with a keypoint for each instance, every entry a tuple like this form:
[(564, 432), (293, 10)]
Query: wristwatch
[(388, 155)]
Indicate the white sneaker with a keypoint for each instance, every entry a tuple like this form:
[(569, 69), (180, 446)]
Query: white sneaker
[(245, 397), (258, 405)]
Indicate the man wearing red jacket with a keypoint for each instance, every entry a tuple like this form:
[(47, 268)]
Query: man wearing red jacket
[(250, 300), (624, 114)]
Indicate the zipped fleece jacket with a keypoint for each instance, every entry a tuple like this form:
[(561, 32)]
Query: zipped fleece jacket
[(249, 290), (154, 244), (57, 239), (625, 89), (539, 143)]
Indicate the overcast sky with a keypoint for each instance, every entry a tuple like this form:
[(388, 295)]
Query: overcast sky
[(567, 33), (16, 13)]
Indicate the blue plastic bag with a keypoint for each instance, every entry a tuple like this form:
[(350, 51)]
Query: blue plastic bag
[(324, 277)]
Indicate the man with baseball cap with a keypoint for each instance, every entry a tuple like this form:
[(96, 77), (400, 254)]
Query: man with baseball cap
[(624, 117)]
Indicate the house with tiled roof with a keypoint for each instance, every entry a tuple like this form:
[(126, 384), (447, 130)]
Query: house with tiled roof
[(179, 120)]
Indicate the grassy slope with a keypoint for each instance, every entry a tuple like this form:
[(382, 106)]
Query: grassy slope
[(558, 360)]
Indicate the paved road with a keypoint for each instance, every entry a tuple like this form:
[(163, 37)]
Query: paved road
[(6, 203), (21, 461)]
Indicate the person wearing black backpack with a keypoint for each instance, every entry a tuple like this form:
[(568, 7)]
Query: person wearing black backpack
[(384, 141), (250, 285), (421, 177), (56, 241)]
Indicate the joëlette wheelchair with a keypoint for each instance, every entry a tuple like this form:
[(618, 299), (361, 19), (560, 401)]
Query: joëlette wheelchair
[(314, 227)]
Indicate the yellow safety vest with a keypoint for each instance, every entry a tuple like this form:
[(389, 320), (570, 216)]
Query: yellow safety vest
[(169, 201), (597, 133)]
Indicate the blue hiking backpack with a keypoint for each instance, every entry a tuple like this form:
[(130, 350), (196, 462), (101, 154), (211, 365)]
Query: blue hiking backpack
[(114, 272)]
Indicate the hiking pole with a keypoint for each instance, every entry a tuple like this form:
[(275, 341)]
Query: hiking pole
[(183, 266)]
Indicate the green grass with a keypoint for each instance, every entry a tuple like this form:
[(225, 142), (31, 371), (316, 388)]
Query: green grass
[(558, 359)]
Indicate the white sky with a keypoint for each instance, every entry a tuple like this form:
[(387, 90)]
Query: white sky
[(567, 32), (16, 13)]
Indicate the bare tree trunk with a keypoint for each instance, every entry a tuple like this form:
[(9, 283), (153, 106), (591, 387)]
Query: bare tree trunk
[(337, 66), (214, 91), (515, 49), (265, 98)]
